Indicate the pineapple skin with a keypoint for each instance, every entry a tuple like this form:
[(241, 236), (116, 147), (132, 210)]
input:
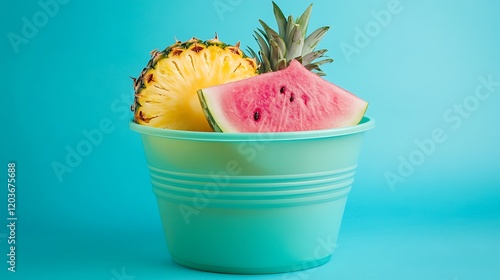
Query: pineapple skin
[(166, 90)]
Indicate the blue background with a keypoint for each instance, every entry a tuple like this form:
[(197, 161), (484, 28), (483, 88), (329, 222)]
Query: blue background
[(100, 220)]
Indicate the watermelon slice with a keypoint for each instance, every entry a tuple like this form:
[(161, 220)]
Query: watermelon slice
[(292, 99)]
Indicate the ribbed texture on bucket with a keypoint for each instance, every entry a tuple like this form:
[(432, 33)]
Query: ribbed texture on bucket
[(252, 191)]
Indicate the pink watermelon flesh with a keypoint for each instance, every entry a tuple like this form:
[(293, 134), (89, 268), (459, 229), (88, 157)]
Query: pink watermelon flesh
[(292, 99)]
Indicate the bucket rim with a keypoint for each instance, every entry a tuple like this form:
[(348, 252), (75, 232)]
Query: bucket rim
[(365, 124)]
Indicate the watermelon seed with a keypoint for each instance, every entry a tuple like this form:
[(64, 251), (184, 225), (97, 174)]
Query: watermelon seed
[(256, 116), (305, 98), (282, 89), (292, 97)]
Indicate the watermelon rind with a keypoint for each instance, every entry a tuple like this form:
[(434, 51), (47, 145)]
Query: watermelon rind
[(207, 112)]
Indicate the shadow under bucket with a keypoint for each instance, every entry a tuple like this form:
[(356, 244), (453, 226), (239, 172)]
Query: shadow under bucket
[(252, 203)]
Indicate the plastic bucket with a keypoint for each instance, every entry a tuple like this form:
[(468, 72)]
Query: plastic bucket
[(252, 203)]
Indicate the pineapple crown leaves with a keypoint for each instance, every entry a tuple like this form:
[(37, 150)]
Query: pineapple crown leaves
[(277, 49)]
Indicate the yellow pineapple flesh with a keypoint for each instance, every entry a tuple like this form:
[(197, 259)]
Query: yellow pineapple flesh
[(166, 91)]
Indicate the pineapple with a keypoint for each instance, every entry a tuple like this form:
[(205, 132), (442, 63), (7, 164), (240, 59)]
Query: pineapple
[(277, 49), (165, 92)]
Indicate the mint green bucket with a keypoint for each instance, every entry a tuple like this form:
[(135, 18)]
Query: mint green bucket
[(252, 203)]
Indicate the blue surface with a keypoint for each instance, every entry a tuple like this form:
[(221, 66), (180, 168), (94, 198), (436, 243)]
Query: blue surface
[(437, 217)]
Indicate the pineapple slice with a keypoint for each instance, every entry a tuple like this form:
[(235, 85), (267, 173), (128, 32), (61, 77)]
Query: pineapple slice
[(166, 91)]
